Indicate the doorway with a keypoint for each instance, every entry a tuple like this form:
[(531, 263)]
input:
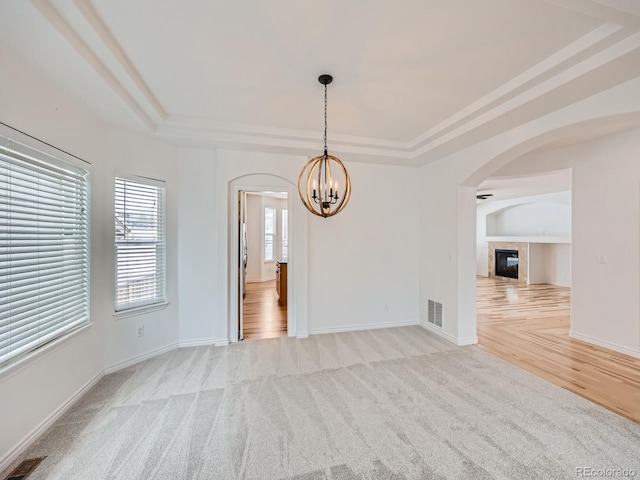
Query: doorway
[(263, 234)]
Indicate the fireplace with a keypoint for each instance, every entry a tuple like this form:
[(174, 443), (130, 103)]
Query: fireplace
[(507, 263)]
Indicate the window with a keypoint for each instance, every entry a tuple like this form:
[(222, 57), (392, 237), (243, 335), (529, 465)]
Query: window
[(269, 233), (285, 234), (44, 246), (140, 242)]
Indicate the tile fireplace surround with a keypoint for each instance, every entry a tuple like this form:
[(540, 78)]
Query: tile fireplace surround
[(523, 259)]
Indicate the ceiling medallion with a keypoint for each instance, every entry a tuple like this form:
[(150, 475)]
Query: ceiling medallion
[(324, 184)]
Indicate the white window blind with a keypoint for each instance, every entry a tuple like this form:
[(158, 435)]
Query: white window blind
[(44, 247), (140, 242)]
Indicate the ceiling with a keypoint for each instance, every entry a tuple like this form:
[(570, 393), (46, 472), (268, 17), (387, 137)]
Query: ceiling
[(504, 188), (413, 80)]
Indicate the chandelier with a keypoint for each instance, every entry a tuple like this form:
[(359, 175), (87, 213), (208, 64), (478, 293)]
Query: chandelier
[(324, 184)]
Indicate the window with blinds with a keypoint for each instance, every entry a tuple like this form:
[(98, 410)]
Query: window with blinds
[(140, 242), (44, 246), (269, 233)]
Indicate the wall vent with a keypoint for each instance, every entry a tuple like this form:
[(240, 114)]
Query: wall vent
[(434, 313), (25, 468)]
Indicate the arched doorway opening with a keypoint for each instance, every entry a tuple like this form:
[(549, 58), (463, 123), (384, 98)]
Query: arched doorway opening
[(549, 335), (296, 226)]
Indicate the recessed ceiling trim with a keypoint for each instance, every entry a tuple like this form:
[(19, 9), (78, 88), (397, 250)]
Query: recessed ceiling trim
[(53, 16), (203, 124), (603, 57), (119, 54), (623, 12), (88, 34), (213, 137), (590, 39)]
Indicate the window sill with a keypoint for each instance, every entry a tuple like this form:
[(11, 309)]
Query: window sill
[(134, 312)]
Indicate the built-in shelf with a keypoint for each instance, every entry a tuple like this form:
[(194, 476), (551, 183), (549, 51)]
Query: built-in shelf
[(542, 239)]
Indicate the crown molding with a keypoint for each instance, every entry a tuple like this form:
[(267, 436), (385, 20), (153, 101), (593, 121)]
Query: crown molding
[(82, 27)]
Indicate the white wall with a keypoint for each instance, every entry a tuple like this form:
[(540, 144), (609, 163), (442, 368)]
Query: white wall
[(362, 265), (255, 252), (606, 253), (531, 219), (559, 256), (51, 378), (549, 263), (197, 257)]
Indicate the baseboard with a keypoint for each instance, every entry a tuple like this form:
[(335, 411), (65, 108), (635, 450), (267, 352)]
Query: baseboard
[(301, 335), (221, 342), (467, 341), (140, 358), (353, 328), (202, 342), (32, 436), (604, 344), (441, 333)]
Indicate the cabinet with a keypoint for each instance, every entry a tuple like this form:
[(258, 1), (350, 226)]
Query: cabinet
[(281, 282)]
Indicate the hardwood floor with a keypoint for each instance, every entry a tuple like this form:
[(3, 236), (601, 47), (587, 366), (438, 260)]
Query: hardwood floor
[(263, 316), (528, 326)]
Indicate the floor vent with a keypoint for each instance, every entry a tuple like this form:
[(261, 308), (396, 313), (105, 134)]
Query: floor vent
[(434, 313), (25, 469)]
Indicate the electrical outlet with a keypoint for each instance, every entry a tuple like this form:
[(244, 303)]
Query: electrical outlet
[(141, 330)]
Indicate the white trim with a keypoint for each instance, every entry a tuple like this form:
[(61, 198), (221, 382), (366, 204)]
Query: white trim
[(154, 182), (134, 312), (140, 358), (32, 436), (467, 341), (301, 335), (202, 342), (601, 343), (353, 328), (447, 336)]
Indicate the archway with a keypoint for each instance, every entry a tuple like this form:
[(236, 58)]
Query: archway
[(297, 255), (573, 133)]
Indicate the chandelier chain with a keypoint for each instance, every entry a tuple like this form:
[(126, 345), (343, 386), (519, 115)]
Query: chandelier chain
[(325, 119)]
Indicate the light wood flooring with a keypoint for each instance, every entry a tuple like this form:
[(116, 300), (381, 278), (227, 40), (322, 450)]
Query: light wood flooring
[(263, 316), (528, 326)]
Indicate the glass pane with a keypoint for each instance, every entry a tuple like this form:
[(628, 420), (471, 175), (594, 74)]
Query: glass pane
[(269, 221), (268, 248), (285, 233)]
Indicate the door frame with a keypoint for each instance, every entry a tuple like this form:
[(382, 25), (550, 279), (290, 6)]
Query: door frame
[(297, 253)]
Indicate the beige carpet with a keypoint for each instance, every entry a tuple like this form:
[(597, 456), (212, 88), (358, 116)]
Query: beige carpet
[(381, 404)]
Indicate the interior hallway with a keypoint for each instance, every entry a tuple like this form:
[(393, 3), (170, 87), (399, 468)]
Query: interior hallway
[(264, 317), (528, 325)]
